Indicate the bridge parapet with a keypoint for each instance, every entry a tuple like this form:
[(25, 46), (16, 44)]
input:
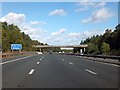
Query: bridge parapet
[(72, 46), (82, 47)]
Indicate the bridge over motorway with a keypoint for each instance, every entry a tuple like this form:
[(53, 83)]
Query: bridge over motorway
[(82, 47)]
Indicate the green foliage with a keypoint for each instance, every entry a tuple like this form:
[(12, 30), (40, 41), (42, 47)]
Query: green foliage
[(68, 51), (55, 49), (35, 42), (12, 34), (105, 48), (92, 49), (0, 37), (115, 52), (110, 41)]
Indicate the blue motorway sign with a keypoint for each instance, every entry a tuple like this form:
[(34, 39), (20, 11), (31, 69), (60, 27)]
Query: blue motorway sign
[(16, 46)]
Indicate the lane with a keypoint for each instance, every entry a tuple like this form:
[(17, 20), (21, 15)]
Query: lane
[(15, 72), (58, 71), (54, 72), (106, 72)]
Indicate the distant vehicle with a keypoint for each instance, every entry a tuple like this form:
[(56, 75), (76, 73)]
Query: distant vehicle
[(59, 52), (81, 54), (50, 52), (39, 53)]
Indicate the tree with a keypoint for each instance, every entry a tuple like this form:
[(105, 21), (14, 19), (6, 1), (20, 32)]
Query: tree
[(11, 34), (105, 48), (92, 49), (112, 38)]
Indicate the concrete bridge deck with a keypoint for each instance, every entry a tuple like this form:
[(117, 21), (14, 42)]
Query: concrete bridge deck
[(52, 46)]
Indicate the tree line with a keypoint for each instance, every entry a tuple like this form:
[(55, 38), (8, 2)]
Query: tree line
[(11, 34), (107, 43)]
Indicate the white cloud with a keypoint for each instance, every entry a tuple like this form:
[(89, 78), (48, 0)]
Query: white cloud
[(54, 38), (73, 38), (99, 15), (87, 5), (81, 9), (34, 22), (87, 0), (74, 35), (82, 35), (37, 23), (61, 31), (13, 18), (35, 33), (27, 27), (86, 34), (60, 12), (57, 38), (32, 31), (101, 4)]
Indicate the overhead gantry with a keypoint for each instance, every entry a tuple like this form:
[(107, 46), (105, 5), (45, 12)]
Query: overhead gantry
[(82, 47)]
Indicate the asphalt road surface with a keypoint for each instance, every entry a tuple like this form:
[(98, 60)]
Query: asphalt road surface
[(57, 71)]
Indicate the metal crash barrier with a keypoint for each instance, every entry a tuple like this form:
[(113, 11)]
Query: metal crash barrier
[(100, 58)]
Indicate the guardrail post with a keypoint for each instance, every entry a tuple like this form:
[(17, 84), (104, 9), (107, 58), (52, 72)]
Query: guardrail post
[(104, 58), (119, 61)]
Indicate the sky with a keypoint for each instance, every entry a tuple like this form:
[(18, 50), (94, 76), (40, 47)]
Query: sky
[(61, 23)]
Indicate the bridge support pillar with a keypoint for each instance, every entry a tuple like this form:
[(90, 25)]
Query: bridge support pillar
[(40, 50), (84, 50), (81, 51)]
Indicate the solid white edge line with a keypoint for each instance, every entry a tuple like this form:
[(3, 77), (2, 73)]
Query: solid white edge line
[(15, 60), (90, 71), (31, 71), (110, 64), (104, 63)]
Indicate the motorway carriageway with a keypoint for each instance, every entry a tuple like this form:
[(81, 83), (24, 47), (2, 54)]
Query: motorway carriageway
[(57, 71)]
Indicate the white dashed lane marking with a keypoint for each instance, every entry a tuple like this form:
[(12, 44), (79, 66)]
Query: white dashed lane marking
[(90, 71), (38, 62), (31, 71), (40, 59), (70, 62)]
